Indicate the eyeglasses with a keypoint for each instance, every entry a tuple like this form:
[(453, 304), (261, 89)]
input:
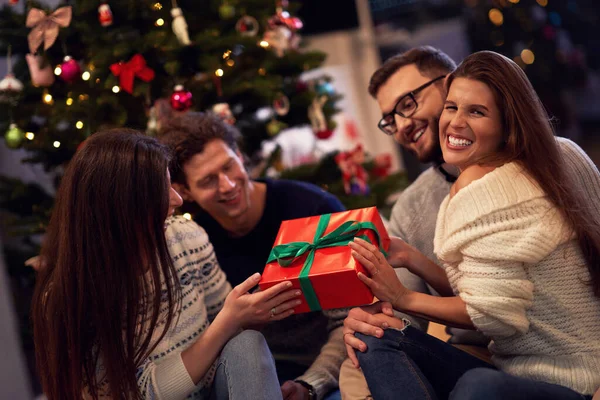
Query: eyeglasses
[(405, 107)]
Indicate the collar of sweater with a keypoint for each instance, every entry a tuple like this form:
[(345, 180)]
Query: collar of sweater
[(506, 205)]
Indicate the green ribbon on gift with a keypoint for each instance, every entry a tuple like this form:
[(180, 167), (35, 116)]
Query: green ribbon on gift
[(287, 254)]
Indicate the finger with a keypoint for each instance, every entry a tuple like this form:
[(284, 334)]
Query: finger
[(274, 291), (248, 284), (281, 298), (387, 309), (362, 250), (281, 315), (367, 245), (352, 356), (368, 264), (288, 305), (287, 388), (355, 343), (371, 326), (367, 281)]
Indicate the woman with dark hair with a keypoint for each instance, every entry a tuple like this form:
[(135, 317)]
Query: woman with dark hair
[(114, 316), (520, 248)]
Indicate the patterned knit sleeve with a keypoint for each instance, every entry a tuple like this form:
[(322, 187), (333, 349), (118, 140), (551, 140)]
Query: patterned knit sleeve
[(168, 379), (216, 286)]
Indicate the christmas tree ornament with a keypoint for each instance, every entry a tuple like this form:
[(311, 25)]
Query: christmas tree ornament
[(180, 27), (45, 27), (14, 136), (9, 86), (317, 118), (70, 70), (281, 105), (247, 26), (354, 175), (105, 15), (181, 99), (223, 111), (279, 39), (13, 2), (226, 10), (274, 127), (39, 70), (324, 88), (128, 71), (281, 33)]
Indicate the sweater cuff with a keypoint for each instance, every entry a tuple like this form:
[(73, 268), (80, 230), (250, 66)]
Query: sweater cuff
[(320, 383), (172, 378)]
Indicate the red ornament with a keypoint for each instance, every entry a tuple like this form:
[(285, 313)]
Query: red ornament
[(324, 134), (13, 2), (105, 15), (127, 72), (181, 99), (70, 70)]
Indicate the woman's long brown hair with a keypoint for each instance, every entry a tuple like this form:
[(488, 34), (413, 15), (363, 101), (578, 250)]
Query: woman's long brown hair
[(529, 139), (97, 302)]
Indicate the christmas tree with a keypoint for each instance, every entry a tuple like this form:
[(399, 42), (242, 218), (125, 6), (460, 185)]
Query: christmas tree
[(551, 40), (82, 67)]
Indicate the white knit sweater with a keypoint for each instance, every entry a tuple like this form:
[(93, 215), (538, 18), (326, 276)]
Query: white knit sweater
[(511, 257)]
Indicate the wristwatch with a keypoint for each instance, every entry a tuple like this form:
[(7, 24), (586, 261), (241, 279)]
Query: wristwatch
[(312, 395)]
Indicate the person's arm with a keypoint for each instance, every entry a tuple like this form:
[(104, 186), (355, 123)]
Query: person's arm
[(177, 375), (216, 285), (494, 294), (403, 255)]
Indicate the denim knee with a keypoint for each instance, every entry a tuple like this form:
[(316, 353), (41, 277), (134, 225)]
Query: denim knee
[(373, 346), (246, 342), (480, 383)]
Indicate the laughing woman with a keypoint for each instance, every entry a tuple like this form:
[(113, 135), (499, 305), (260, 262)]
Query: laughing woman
[(520, 247), (116, 316)]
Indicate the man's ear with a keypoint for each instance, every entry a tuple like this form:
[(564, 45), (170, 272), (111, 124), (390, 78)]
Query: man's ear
[(183, 191)]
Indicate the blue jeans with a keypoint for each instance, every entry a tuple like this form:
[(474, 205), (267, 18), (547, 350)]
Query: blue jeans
[(414, 365), (246, 370)]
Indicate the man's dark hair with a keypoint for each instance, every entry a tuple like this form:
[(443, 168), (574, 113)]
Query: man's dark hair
[(429, 61), (187, 135)]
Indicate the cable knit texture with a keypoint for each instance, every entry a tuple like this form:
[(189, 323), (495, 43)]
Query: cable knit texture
[(510, 255)]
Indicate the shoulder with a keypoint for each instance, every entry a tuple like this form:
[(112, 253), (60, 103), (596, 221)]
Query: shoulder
[(302, 193), (179, 229), (431, 183), (470, 174)]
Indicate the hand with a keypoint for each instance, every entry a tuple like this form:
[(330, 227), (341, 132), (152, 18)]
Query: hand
[(275, 303), (402, 254), (291, 390), (384, 282), (369, 320)]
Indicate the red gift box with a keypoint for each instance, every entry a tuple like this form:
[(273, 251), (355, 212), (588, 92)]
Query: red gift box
[(313, 254)]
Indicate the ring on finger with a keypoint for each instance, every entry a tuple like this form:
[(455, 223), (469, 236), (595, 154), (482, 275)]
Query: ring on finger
[(376, 272), (273, 312)]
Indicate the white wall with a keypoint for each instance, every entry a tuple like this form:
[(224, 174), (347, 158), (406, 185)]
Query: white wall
[(14, 380), (352, 57)]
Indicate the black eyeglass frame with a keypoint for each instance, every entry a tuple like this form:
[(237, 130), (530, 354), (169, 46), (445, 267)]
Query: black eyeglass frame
[(382, 122)]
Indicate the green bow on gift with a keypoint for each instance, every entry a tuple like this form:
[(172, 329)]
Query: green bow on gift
[(286, 254)]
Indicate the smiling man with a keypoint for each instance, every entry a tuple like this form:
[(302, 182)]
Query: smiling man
[(242, 218)]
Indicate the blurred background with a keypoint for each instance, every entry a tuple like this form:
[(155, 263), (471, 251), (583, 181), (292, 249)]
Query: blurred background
[(293, 78)]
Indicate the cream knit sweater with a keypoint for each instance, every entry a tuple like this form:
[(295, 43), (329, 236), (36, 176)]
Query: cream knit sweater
[(511, 257)]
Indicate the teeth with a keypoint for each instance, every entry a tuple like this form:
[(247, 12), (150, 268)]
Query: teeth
[(231, 198), (418, 135), (459, 142)]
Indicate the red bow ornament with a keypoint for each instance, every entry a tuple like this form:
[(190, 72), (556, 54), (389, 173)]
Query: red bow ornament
[(126, 72), (45, 27)]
